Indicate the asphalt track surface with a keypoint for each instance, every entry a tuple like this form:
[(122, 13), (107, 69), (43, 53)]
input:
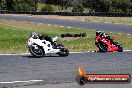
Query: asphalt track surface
[(60, 72), (108, 27)]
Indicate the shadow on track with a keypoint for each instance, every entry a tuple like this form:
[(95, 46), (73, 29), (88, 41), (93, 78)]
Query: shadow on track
[(29, 56)]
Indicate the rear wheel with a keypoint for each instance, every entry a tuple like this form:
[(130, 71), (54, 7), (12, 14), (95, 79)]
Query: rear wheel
[(36, 50)]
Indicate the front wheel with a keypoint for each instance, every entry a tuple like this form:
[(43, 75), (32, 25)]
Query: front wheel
[(36, 50), (120, 48), (63, 52), (102, 47)]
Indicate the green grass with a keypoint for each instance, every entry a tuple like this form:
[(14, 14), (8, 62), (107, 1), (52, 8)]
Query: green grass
[(13, 38)]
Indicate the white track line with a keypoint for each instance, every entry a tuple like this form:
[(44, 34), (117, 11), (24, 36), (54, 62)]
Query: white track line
[(61, 26), (24, 21), (17, 54), (68, 27), (128, 34), (83, 20), (127, 50), (96, 21), (108, 22), (117, 23), (32, 22), (69, 52), (77, 52), (40, 23), (119, 33), (49, 24), (55, 25), (29, 81), (29, 53)]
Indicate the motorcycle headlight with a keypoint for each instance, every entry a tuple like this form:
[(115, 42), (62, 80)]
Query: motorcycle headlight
[(29, 42)]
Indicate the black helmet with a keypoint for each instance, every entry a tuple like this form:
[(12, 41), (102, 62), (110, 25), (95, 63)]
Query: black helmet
[(98, 32)]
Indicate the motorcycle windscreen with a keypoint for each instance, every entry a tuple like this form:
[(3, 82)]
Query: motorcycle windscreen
[(32, 34)]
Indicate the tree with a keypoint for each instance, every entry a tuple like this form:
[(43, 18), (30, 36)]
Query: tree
[(123, 5), (62, 3), (109, 5), (105, 6), (47, 8), (25, 5), (88, 3), (78, 8), (126, 5), (0, 4), (9, 4)]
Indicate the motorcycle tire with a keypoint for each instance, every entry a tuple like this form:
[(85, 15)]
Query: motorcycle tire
[(102, 47), (37, 52), (119, 46), (63, 52)]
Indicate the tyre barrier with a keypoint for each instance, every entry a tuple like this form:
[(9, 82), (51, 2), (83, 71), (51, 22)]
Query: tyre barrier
[(73, 35), (101, 14)]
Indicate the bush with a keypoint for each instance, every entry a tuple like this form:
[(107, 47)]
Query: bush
[(24, 7), (78, 8), (117, 10), (47, 8)]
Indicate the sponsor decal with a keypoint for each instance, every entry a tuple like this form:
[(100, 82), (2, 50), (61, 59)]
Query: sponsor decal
[(83, 78)]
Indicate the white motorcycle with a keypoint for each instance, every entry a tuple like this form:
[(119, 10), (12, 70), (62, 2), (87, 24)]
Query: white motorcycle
[(41, 45)]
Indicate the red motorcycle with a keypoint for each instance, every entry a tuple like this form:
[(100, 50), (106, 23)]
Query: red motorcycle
[(106, 44)]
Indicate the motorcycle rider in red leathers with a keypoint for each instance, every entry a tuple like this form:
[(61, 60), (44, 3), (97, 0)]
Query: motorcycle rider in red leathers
[(101, 36)]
